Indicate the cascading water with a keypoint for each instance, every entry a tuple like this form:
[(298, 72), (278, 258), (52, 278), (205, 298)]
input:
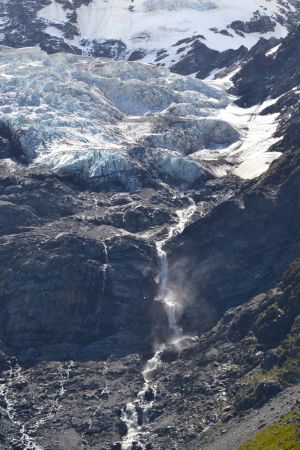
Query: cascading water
[(136, 414), (26, 441), (104, 268)]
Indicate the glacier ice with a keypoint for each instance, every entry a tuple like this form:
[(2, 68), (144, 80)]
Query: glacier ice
[(82, 116)]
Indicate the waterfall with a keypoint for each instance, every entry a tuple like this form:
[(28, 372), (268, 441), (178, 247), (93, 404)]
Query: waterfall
[(166, 293), (105, 266), (136, 414), (100, 301)]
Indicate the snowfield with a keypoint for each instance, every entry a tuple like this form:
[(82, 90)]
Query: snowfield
[(101, 120), (152, 25)]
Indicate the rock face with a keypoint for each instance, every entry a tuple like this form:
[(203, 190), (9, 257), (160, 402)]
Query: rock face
[(281, 62), (242, 363), (243, 245), (204, 61), (73, 276), (72, 281)]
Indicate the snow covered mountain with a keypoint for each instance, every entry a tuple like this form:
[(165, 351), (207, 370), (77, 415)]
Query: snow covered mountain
[(190, 130), (149, 223), (160, 31)]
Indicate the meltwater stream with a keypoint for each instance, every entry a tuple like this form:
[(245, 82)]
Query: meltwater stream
[(136, 414)]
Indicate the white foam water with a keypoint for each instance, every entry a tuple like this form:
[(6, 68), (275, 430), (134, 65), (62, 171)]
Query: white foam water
[(136, 414)]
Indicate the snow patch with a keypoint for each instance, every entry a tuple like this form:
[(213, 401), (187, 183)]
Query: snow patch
[(152, 25), (53, 13), (273, 51)]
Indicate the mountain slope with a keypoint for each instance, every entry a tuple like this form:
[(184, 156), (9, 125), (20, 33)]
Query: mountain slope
[(70, 394), (149, 287)]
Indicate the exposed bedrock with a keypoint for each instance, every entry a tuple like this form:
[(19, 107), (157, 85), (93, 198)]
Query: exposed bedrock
[(204, 60), (66, 292), (254, 82), (240, 248), (70, 272), (242, 373)]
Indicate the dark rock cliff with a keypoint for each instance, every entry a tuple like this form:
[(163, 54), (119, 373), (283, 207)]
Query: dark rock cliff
[(205, 390), (242, 247), (244, 371), (63, 279)]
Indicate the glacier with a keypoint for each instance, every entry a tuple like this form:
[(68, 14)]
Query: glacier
[(129, 123)]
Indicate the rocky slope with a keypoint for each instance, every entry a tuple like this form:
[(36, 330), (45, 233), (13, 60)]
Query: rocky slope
[(65, 392), (252, 354), (149, 288)]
